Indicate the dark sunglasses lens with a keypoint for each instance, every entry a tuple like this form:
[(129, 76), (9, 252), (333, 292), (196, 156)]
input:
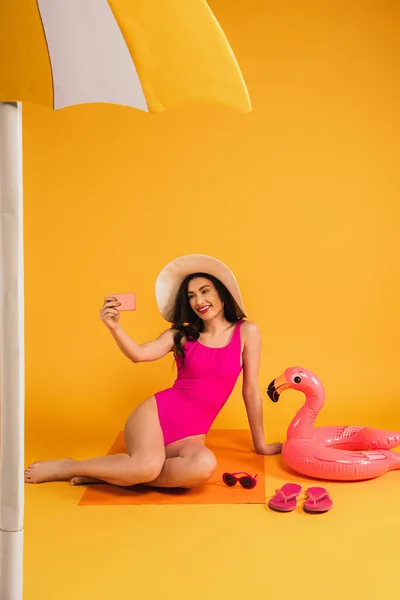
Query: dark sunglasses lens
[(229, 480), (246, 482)]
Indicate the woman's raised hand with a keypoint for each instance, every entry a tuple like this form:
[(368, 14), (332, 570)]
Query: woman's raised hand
[(109, 313)]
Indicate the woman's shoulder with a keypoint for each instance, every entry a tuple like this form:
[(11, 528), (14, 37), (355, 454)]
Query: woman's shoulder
[(250, 333), (250, 328)]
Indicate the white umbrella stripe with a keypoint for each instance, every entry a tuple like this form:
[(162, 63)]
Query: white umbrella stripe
[(89, 58)]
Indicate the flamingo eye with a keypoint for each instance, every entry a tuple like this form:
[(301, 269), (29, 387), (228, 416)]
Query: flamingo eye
[(297, 379)]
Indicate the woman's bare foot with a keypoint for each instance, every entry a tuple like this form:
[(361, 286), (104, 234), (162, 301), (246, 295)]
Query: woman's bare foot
[(49, 470), (84, 480)]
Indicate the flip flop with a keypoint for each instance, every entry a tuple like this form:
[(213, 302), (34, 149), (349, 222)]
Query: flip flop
[(317, 501), (285, 498)]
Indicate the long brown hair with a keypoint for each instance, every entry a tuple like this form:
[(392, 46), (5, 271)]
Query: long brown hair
[(187, 323)]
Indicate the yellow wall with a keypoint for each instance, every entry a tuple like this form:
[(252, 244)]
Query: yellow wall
[(300, 198)]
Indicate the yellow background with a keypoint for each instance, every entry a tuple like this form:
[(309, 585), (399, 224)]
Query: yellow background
[(300, 198)]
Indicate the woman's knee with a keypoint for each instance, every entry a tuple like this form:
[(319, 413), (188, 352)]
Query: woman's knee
[(204, 465), (151, 469), (143, 469)]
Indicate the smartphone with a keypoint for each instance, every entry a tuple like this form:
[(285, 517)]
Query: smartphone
[(128, 301)]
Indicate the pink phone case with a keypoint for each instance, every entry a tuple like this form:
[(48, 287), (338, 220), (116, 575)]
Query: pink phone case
[(128, 301)]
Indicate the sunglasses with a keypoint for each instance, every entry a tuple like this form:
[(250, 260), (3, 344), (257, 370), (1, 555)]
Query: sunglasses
[(246, 481)]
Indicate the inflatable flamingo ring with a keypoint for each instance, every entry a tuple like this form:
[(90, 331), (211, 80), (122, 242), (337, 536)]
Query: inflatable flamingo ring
[(341, 453)]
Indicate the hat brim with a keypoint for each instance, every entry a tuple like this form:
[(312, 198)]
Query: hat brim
[(173, 274)]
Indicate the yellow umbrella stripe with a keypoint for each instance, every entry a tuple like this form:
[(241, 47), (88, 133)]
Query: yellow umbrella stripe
[(181, 53), (25, 70)]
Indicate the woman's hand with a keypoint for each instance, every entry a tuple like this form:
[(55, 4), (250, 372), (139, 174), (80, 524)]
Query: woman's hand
[(270, 449), (109, 313)]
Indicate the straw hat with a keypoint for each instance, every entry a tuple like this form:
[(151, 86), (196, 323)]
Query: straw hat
[(173, 274)]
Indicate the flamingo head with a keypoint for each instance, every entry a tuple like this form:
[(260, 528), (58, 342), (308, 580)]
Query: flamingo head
[(294, 378)]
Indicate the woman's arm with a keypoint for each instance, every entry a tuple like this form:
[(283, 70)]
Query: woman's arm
[(153, 350), (147, 352), (251, 389)]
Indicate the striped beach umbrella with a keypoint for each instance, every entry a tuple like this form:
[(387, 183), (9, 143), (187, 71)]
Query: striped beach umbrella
[(151, 55)]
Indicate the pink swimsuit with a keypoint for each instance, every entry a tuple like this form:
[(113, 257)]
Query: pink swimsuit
[(203, 385)]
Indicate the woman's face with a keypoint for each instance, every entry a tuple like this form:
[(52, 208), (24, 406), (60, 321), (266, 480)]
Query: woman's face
[(204, 298)]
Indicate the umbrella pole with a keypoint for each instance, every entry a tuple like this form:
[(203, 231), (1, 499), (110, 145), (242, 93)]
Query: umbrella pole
[(12, 376)]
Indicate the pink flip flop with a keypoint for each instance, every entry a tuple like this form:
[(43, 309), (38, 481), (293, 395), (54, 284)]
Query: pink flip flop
[(285, 498), (317, 501)]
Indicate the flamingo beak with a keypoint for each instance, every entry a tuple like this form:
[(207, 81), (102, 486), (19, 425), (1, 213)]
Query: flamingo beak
[(276, 387)]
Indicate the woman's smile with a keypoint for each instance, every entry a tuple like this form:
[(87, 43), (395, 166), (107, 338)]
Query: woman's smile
[(204, 309)]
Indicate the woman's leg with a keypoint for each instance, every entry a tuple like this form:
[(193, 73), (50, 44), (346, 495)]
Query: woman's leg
[(143, 463), (189, 464)]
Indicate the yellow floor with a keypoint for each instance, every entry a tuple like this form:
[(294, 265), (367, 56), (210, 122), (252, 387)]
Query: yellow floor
[(213, 552)]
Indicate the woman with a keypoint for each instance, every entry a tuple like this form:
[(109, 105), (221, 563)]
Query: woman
[(166, 435)]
